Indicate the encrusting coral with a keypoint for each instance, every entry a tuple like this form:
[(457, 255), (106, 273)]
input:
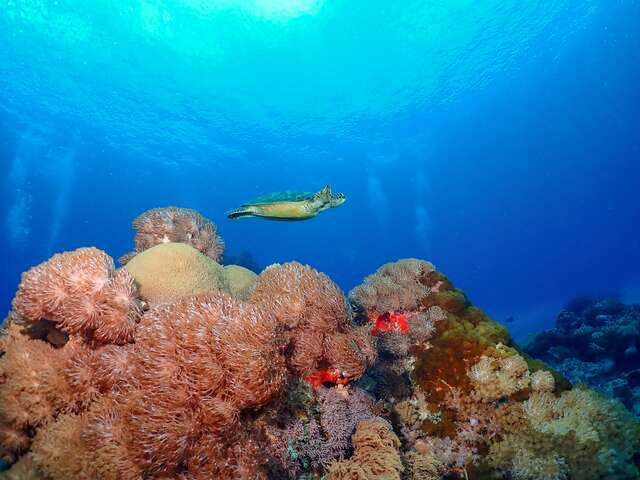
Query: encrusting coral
[(278, 376)]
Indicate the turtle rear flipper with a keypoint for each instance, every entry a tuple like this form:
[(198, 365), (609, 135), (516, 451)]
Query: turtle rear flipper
[(241, 212)]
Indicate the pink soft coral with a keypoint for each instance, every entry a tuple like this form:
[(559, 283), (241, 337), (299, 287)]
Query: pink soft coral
[(83, 294), (173, 224)]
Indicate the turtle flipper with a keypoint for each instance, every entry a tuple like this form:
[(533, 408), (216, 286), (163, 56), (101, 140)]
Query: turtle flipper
[(324, 194), (242, 212)]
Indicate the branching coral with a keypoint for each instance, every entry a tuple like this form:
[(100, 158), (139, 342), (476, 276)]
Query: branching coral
[(173, 224), (83, 294)]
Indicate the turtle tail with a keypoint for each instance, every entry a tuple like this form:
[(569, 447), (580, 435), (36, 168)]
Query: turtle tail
[(242, 212)]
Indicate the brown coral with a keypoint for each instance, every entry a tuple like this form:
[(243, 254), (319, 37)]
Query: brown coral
[(174, 224), (312, 309), (240, 281), (398, 286), (83, 294)]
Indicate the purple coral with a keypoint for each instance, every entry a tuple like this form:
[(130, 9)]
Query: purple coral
[(313, 443)]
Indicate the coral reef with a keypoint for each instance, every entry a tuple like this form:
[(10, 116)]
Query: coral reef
[(595, 341), (579, 434), (461, 392), (174, 224), (279, 376)]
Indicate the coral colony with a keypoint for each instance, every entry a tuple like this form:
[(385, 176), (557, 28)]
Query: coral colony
[(595, 341), (176, 367)]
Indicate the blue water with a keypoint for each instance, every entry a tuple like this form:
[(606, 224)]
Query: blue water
[(498, 139)]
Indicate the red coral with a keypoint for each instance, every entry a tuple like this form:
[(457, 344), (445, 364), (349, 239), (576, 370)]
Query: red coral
[(390, 322), (173, 224), (325, 375)]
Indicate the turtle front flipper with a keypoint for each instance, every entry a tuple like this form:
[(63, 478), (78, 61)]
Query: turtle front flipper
[(323, 195)]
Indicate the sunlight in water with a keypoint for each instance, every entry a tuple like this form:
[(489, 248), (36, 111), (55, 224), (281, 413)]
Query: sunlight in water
[(267, 9), (286, 9)]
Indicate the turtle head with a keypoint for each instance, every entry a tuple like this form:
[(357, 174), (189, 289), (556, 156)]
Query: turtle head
[(337, 200), (324, 199)]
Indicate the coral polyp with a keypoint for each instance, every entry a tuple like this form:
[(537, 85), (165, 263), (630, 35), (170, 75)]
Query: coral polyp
[(156, 371)]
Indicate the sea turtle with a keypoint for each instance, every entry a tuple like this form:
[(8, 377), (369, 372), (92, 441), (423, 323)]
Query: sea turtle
[(290, 205)]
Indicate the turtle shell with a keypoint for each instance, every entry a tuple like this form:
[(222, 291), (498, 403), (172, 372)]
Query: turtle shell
[(276, 197)]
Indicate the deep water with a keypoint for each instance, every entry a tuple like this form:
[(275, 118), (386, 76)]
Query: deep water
[(499, 140)]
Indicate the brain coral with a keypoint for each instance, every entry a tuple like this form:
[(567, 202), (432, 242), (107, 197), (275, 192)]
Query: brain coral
[(170, 271), (240, 281)]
